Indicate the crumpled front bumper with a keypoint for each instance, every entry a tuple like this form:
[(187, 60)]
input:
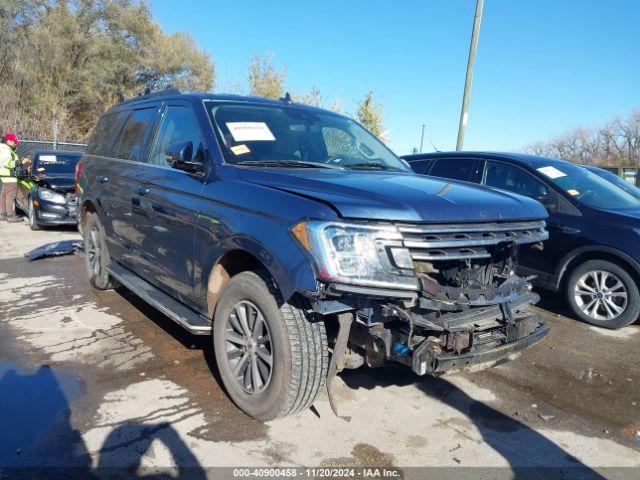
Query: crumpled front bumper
[(427, 360)]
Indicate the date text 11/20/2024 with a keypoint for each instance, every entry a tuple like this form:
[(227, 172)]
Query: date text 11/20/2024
[(317, 472)]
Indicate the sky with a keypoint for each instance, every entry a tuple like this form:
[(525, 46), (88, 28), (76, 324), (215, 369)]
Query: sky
[(542, 66)]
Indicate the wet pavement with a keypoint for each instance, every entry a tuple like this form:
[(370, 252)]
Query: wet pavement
[(99, 380)]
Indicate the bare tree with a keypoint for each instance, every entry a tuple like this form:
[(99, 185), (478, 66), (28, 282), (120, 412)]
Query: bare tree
[(614, 143)]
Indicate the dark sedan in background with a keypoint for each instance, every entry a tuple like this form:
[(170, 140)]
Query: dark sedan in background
[(592, 255), (46, 189)]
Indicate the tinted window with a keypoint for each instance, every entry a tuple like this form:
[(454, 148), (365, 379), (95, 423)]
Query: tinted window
[(178, 124), (455, 168), (420, 166), (588, 188), (514, 179), (133, 140), (106, 133)]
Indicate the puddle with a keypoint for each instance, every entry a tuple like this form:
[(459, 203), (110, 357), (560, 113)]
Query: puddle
[(32, 400)]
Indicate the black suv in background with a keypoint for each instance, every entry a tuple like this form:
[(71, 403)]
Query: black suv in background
[(276, 227), (46, 189), (592, 254)]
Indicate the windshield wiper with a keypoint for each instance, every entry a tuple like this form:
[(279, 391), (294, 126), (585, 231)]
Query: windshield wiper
[(288, 163), (381, 166)]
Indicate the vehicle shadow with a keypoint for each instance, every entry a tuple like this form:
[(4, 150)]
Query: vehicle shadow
[(37, 439), (529, 454)]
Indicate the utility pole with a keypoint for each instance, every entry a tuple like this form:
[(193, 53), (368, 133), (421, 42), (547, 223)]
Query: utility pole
[(467, 83), (422, 138)]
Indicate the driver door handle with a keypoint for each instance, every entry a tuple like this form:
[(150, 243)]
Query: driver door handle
[(143, 190)]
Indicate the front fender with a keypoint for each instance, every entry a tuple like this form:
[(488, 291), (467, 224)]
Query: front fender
[(561, 270), (277, 251)]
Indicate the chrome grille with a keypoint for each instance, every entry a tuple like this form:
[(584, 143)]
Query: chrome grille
[(467, 241)]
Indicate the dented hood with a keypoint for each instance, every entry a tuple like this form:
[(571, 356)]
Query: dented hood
[(396, 196)]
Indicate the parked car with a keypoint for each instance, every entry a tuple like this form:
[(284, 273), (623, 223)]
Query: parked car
[(615, 179), (46, 189), (592, 255), (275, 226)]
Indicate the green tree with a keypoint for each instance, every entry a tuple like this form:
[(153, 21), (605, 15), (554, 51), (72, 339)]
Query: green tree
[(265, 79), (71, 59), (369, 114)]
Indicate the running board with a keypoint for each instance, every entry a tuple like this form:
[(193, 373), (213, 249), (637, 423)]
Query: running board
[(185, 317)]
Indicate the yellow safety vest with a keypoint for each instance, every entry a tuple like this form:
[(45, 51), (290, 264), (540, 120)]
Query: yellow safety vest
[(8, 163)]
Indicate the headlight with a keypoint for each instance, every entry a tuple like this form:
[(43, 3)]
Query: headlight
[(358, 254), (50, 196)]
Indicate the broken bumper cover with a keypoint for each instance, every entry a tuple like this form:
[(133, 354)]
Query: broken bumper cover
[(426, 361)]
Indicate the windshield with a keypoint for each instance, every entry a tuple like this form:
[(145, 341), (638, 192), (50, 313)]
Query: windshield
[(588, 188), (54, 163), (296, 137), (616, 180)]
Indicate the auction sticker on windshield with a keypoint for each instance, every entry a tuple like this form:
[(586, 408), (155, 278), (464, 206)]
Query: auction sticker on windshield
[(551, 172), (250, 131)]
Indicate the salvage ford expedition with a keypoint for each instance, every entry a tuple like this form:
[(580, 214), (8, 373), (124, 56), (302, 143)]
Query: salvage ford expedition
[(282, 230)]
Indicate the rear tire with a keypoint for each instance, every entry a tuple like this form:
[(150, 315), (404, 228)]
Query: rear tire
[(296, 346), (33, 218), (96, 255), (603, 293)]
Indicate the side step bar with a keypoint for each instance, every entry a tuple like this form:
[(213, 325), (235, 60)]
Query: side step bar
[(192, 321)]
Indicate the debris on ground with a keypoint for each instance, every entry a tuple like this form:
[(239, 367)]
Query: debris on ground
[(55, 249), (546, 418)]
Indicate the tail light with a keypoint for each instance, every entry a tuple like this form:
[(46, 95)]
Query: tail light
[(79, 168)]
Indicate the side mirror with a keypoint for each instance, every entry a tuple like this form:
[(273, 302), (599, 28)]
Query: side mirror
[(547, 202), (178, 155)]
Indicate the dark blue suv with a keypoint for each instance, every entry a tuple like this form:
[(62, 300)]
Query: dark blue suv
[(281, 229), (592, 254)]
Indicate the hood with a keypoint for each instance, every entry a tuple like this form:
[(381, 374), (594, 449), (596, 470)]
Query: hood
[(395, 196), (58, 183)]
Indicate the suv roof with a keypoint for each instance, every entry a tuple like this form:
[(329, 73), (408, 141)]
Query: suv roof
[(521, 158), (172, 94)]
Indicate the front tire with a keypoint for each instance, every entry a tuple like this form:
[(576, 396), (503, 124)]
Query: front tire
[(272, 359), (603, 294), (33, 218), (96, 255)]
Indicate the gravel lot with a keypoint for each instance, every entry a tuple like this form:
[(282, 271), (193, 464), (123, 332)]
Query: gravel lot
[(99, 379)]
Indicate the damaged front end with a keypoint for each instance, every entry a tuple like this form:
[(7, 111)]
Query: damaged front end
[(466, 308)]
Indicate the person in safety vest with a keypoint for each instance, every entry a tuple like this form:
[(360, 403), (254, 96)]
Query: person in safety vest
[(9, 162)]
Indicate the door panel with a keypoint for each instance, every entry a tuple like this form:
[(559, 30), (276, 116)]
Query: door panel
[(167, 205)]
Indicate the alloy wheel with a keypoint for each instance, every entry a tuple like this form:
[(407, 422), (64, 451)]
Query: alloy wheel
[(248, 347), (601, 295)]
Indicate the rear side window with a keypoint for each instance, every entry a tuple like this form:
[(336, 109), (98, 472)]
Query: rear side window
[(133, 141), (454, 168), (420, 166), (105, 134), (178, 124)]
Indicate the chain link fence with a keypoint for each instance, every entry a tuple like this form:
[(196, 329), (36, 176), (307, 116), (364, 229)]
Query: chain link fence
[(28, 148)]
